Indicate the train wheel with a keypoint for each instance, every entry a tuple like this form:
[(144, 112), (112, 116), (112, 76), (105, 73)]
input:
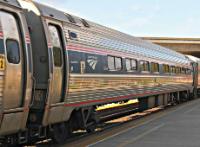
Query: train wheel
[(60, 133)]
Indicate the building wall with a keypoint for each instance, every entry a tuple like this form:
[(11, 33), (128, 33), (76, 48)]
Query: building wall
[(189, 46)]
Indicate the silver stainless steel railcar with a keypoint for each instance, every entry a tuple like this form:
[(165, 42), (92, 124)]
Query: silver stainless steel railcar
[(56, 68), (15, 69)]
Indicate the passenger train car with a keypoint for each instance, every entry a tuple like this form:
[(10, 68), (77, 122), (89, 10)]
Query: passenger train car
[(56, 69)]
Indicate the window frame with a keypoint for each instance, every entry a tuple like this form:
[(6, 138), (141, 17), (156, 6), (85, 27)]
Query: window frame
[(183, 71), (178, 70), (114, 61), (166, 66), (173, 69), (60, 60), (116, 66), (132, 69), (142, 68), (18, 45), (153, 67), (188, 71)]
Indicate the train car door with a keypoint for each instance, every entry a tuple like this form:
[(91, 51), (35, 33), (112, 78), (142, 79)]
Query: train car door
[(58, 80), (13, 61), (58, 64)]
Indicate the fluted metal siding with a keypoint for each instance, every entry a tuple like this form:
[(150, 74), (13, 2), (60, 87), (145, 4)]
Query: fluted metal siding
[(82, 88)]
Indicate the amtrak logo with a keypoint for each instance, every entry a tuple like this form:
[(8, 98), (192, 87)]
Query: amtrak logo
[(92, 62)]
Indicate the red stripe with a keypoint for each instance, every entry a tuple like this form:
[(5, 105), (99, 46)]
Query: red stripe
[(49, 45), (87, 50), (26, 109), (1, 34), (112, 99), (28, 40)]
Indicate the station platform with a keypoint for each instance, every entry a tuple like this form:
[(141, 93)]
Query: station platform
[(177, 128)]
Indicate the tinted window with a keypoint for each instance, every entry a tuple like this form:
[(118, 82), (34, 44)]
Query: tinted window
[(154, 67), (111, 63), (57, 54), (118, 63), (183, 71), (128, 64), (144, 65), (131, 64), (166, 68), (13, 54), (114, 63), (178, 70), (188, 71), (173, 69)]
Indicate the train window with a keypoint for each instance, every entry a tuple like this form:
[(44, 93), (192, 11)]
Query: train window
[(178, 70), (173, 69), (188, 71), (183, 71), (13, 54), (128, 64), (131, 64), (134, 64), (111, 63), (12, 37), (144, 65), (154, 67), (166, 68), (118, 63), (114, 63), (57, 54)]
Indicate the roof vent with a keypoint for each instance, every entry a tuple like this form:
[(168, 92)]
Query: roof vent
[(70, 18), (85, 23), (51, 15)]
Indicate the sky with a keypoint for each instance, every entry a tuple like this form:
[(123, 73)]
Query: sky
[(151, 18)]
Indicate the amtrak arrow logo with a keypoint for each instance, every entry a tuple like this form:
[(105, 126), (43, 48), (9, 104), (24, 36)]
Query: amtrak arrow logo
[(92, 62)]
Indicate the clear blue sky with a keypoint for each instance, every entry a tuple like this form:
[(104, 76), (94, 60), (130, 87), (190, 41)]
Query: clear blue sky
[(167, 18)]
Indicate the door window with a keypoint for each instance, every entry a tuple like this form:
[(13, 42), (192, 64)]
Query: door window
[(12, 37), (13, 54), (57, 54)]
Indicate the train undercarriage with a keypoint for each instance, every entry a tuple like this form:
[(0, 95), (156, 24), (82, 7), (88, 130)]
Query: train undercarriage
[(88, 118)]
